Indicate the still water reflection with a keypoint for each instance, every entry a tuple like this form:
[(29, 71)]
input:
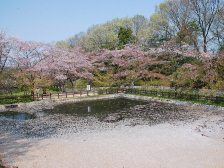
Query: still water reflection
[(16, 116), (96, 108)]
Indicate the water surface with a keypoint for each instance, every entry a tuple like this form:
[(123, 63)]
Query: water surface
[(95, 115), (16, 116), (96, 108)]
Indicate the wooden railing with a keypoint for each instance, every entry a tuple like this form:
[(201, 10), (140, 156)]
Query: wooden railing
[(175, 94), (170, 94)]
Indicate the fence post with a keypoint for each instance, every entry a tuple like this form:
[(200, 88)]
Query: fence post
[(50, 95), (216, 99), (66, 94), (58, 95)]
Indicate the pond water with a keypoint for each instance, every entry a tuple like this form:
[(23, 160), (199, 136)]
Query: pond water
[(97, 108), (16, 116), (90, 115)]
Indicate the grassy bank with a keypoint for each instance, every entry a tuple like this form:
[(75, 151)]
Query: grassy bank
[(15, 99), (180, 96)]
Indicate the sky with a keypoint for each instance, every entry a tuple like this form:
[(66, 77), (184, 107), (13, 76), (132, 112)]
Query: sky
[(53, 20)]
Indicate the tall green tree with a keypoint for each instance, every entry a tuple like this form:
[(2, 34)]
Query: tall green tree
[(139, 22), (105, 36), (125, 36), (205, 12)]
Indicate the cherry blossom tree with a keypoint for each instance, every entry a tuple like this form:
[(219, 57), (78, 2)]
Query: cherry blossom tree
[(5, 49), (63, 65), (128, 65), (25, 57), (188, 76), (219, 69)]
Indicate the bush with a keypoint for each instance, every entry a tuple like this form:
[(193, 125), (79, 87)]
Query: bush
[(81, 83), (15, 99), (100, 91), (53, 88), (152, 83)]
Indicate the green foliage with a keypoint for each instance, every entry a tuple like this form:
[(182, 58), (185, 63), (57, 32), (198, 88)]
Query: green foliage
[(81, 83), (53, 88), (72, 41), (220, 68), (62, 44), (172, 62), (125, 37), (104, 35), (103, 79), (8, 82), (191, 77), (164, 82), (221, 48), (193, 26), (140, 83), (219, 85), (188, 34), (99, 37), (139, 22), (220, 72), (189, 60), (15, 99), (179, 94)]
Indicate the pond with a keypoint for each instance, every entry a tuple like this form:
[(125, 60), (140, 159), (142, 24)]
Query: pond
[(16, 116), (77, 117), (97, 108)]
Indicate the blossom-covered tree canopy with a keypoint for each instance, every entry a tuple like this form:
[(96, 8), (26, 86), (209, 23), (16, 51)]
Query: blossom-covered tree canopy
[(129, 63), (63, 64)]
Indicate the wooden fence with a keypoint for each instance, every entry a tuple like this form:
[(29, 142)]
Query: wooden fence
[(169, 94), (78, 93), (174, 94)]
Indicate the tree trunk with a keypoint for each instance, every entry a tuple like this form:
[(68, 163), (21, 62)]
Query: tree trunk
[(196, 45), (71, 81), (205, 43)]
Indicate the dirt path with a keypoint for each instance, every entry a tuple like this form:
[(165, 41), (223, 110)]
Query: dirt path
[(141, 146), (194, 140)]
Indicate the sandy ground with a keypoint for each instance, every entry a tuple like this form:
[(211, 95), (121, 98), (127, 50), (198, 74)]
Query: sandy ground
[(161, 146), (194, 142)]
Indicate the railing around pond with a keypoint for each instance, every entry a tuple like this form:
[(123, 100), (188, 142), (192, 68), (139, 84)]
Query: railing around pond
[(78, 93), (175, 94), (11, 99), (170, 94)]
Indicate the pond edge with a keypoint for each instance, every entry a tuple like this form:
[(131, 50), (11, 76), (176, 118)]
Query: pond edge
[(37, 106)]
